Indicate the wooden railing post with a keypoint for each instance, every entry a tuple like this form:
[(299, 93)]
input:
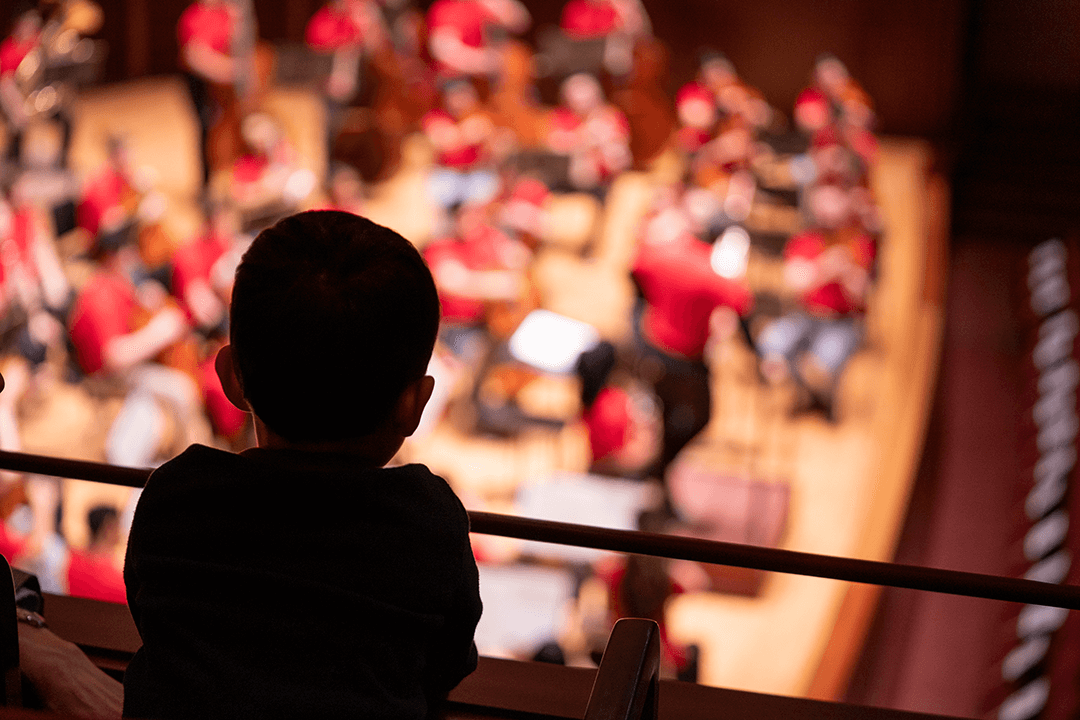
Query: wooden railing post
[(628, 679)]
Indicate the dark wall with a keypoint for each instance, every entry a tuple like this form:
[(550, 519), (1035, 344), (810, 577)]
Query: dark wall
[(906, 54), (1029, 42)]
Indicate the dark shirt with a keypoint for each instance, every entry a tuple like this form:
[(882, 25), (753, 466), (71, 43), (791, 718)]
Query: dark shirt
[(278, 583)]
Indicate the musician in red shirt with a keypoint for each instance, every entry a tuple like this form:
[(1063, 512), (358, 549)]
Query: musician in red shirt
[(461, 134), (685, 302), (204, 293), (829, 268), (111, 342), (592, 132), (459, 34), (345, 30), (475, 266)]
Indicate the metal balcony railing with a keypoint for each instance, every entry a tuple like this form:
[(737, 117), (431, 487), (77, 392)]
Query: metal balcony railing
[(913, 577)]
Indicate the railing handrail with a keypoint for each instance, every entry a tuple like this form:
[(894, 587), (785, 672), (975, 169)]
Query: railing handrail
[(913, 577)]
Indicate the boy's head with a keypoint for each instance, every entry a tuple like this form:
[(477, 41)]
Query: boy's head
[(333, 318)]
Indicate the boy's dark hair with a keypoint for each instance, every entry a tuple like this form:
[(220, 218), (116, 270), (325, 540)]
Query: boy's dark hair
[(97, 517), (332, 317)]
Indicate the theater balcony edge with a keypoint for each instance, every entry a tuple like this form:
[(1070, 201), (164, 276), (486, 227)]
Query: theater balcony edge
[(514, 689)]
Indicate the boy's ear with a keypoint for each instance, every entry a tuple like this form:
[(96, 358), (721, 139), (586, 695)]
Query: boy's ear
[(226, 372), (411, 404)]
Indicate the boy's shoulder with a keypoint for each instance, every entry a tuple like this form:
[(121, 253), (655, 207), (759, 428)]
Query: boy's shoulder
[(209, 474)]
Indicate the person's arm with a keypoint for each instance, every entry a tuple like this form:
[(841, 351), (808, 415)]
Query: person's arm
[(454, 278), (447, 48), (65, 678), (206, 307), (126, 351), (55, 288), (12, 101), (454, 652)]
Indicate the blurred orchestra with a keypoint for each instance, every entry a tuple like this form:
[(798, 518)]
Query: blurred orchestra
[(598, 237)]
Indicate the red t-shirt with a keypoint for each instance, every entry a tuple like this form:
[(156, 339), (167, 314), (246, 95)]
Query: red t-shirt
[(211, 26), (12, 53), (682, 290), (95, 577), (456, 151), (194, 261), (103, 311), (483, 250), (608, 422), (831, 299), (588, 19), (103, 192)]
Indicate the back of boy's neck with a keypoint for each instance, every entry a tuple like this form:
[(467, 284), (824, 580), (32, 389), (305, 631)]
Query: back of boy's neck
[(370, 451)]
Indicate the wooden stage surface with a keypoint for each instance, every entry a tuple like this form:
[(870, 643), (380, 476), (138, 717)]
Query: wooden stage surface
[(849, 481)]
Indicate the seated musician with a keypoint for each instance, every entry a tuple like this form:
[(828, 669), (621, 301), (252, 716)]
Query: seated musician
[(204, 293), (268, 176), (828, 267), (592, 132), (120, 332), (477, 265), (620, 22), (622, 423), (849, 101), (460, 34), (345, 30), (836, 103), (462, 136), (695, 107)]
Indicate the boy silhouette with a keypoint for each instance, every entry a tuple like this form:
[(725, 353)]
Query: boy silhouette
[(303, 577)]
